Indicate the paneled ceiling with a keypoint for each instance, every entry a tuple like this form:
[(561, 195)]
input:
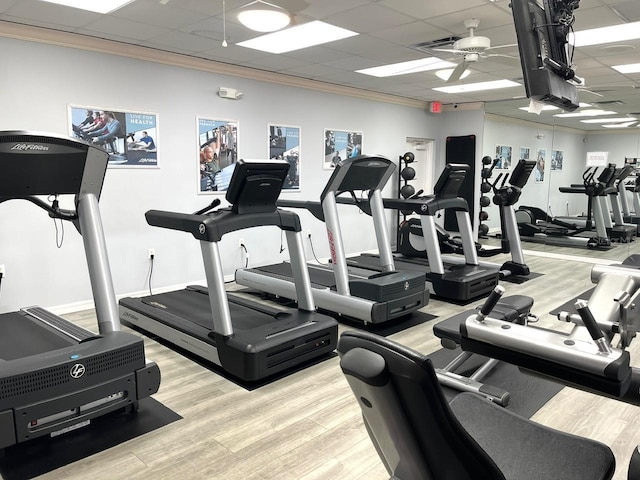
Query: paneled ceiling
[(387, 31)]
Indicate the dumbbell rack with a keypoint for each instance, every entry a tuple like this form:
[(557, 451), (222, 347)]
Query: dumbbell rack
[(485, 187), (405, 188)]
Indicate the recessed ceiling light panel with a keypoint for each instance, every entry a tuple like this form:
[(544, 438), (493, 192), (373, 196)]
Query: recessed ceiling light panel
[(98, 6), (404, 68), (298, 37), (611, 34), (609, 120), (475, 87), (629, 68)]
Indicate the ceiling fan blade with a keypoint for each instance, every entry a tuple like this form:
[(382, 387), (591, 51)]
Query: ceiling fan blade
[(502, 46), (497, 55), (457, 73), (448, 50)]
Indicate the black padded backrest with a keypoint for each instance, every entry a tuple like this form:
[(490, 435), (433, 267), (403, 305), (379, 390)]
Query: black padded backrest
[(406, 414), (450, 180)]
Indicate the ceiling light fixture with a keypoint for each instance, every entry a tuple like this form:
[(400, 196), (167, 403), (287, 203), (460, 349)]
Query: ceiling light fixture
[(594, 112), (475, 87), (262, 16), (298, 37), (544, 107), (446, 73), (611, 34), (405, 68), (620, 125), (628, 68), (609, 120), (102, 6)]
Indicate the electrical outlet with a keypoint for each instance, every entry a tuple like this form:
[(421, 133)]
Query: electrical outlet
[(241, 242), (152, 253), (3, 271)]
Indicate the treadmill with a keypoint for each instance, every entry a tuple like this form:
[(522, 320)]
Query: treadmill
[(54, 375), (249, 339), (448, 280), (361, 294)]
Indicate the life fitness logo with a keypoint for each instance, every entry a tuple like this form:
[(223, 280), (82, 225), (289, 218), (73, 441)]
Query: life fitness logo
[(332, 247), (29, 146), (77, 371)]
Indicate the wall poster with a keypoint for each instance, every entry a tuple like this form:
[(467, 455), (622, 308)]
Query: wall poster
[(131, 138), (525, 153), (503, 154), (539, 170), (339, 144), (284, 144), (556, 159), (217, 153)]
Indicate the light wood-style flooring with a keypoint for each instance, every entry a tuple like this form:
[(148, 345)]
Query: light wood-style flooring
[(307, 426)]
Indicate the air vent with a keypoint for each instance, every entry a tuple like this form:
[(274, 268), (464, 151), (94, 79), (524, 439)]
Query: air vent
[(427, 47)]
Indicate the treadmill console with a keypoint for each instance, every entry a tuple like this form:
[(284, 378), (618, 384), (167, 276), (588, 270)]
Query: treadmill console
[(255, 185), (450, 180), (44, 164)]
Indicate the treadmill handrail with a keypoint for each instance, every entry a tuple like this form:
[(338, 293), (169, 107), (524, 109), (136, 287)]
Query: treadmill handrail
[(211, 228), (426, 205)]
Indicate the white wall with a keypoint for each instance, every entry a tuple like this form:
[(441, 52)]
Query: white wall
[(39, 81)]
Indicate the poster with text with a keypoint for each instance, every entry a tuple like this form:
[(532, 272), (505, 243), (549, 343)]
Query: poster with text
[(284, 144), (503, 155), (556, 159), (339, 144), (539, 170), (217, 153), (525, 153), (131, 138)]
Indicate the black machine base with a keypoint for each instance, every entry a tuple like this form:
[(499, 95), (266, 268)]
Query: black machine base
[(464, 282), (261, 346)]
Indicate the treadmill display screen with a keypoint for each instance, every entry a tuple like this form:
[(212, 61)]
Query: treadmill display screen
[(32, 164)]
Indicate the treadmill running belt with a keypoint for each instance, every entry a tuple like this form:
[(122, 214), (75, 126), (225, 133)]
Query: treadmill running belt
[(319, 275), (194, 306), (23, 337)]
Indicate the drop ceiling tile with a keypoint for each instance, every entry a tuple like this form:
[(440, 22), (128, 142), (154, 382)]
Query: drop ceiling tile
[(489, 16), (276, 63), (124, 28), (151, 12), (369, 18), (429, 8), (410, 33), (322, 9), (315, 70), (319, 53), (50, 14), (5, 4), (182, 41), (594, 18)]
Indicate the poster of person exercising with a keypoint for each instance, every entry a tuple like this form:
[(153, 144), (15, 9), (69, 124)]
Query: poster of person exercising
[(340, 144), (217, 153), (131, 138), (284, 144)]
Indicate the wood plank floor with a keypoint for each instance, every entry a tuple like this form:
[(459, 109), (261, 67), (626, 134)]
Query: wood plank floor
[(307, 426)]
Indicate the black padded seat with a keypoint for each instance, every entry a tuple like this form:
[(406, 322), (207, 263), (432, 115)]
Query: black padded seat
[(525, 450), (420, 436), (509, 309)]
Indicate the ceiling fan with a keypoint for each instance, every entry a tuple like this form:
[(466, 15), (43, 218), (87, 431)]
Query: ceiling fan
[(472, 49)]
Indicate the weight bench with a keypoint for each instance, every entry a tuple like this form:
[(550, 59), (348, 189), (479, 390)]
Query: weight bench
[(513, 309), (419, 436)]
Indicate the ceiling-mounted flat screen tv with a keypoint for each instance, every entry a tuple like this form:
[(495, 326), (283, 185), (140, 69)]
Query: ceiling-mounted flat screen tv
[(542, 28)]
